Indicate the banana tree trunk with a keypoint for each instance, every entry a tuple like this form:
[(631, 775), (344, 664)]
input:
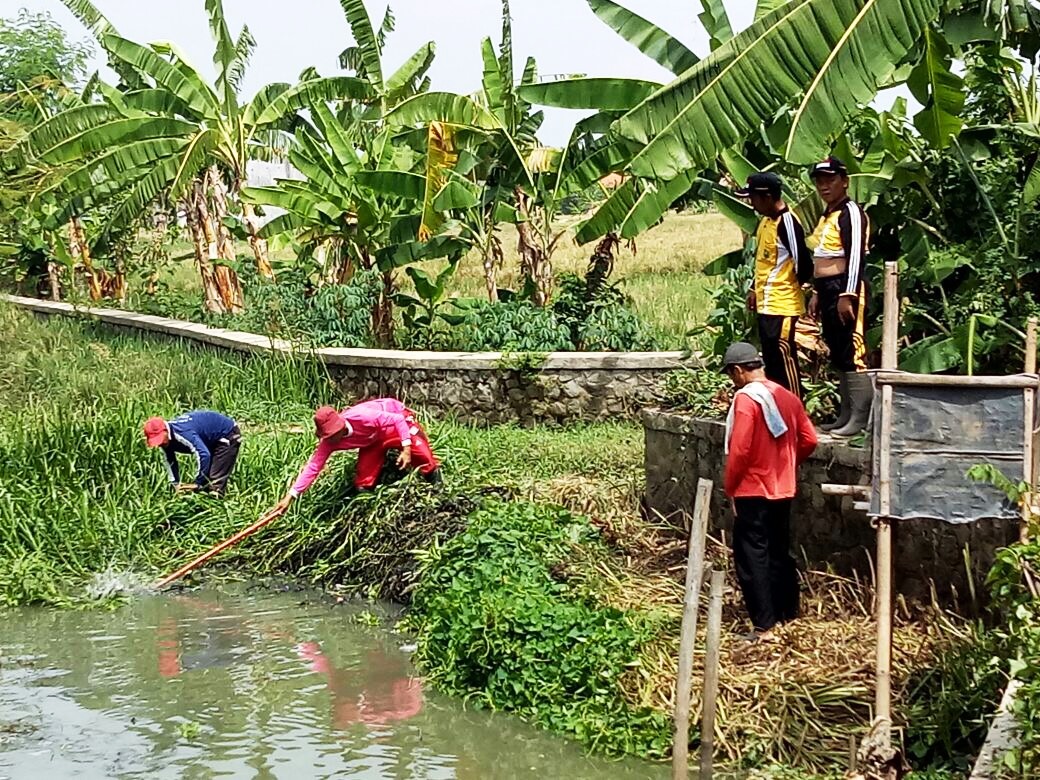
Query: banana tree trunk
[(601, 265), (383, 313), (80, 251), (535, 262), (493, 260), (213, 246), (54, 279), (256, 243)]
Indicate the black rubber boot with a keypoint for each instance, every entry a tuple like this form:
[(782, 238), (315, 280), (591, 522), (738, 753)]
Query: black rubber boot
[(844, 410), (861, 398), (434, 477)]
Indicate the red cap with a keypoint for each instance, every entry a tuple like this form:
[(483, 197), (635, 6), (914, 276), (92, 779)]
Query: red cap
[(327, 422), (155, 432)]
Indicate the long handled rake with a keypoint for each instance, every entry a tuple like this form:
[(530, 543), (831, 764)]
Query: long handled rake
[(266, 518)]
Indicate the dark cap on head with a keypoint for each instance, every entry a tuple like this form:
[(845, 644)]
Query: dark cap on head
[(832, 165), (763, 182), (740, 353)]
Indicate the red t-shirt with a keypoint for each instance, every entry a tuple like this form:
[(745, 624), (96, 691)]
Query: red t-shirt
[(760, 466)]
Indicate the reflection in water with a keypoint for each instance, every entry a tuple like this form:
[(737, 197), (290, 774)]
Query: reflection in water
[(389, 694), (245, 684)]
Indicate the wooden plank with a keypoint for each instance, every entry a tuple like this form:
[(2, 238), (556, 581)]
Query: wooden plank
[(688, 636), (857, 491), (712, 660), (898, 378)]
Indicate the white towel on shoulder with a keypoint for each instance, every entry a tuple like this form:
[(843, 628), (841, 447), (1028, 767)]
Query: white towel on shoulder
[(760, 393)]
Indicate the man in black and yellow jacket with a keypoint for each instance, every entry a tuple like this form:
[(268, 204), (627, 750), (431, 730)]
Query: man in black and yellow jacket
[(839, 245), (782, 263)]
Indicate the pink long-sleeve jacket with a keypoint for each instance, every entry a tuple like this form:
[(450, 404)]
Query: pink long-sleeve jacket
[(367, 423)]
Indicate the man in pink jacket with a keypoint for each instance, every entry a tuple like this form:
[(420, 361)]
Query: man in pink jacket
[(372, 428)]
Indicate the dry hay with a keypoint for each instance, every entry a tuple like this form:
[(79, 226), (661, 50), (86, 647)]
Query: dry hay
[(798, 700)]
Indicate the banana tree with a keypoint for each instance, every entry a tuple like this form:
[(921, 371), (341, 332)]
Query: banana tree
[(358, 207), (179, 137)]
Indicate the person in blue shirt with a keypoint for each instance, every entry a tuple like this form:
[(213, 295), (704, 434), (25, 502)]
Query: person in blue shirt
[(213, 438)]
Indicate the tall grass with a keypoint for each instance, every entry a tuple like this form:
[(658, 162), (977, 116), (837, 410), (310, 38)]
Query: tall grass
[(79, 492)]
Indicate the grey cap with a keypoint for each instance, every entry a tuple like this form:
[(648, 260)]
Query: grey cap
[(739, 353)]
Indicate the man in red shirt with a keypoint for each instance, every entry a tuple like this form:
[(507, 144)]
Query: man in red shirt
[(768, 434)]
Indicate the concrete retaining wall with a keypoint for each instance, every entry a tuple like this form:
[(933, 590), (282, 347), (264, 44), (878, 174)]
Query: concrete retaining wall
[(483, 388), (826, 531)]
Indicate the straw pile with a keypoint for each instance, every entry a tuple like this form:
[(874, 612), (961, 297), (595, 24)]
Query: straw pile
[(801, 700)]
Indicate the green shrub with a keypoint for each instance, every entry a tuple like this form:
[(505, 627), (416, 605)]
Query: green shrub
[(498, 621), (701, 392), (508, 326)]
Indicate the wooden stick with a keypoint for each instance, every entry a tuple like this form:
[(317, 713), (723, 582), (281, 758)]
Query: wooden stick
[(890, 332), (889, 361), (1029, 453), (1031, 346), (691, 602), (267, 518), (712, 653), (857, 491)]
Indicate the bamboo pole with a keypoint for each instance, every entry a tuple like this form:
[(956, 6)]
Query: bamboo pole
[(889, 361), (188, 567), (1029, 453), (691, 601), (711, 674)]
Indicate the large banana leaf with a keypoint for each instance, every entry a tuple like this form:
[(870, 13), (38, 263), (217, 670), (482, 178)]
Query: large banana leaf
[(111, 135), (224, 53), (301, 200), (939, 90), (441, 156), (112, 165), (634, 207), (650, 39), (368, 45), (58, 130), (738, 212), (413, 70), (393, 257), (267, 110), (764, 7), (878, 34), (602, 94), (398, 184), (190, 89), (443, 107), (172, 175), (715, 20), (153, 101), (343, 149), (583, 168), (100, 27), (833, 52), (491, 81)]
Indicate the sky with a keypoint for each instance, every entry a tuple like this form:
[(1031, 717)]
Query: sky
[(564, 36)]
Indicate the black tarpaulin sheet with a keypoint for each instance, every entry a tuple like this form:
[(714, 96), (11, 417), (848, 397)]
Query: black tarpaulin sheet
[(938, 433)]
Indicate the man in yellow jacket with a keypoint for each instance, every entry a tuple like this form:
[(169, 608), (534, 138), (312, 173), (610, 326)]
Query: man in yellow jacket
[(782, 263)]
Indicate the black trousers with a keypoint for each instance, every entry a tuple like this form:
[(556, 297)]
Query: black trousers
[(222, 461), (779, 351), (846, 341), (765, 567)]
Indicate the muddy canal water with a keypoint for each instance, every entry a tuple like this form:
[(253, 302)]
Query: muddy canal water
[(241, 682)]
